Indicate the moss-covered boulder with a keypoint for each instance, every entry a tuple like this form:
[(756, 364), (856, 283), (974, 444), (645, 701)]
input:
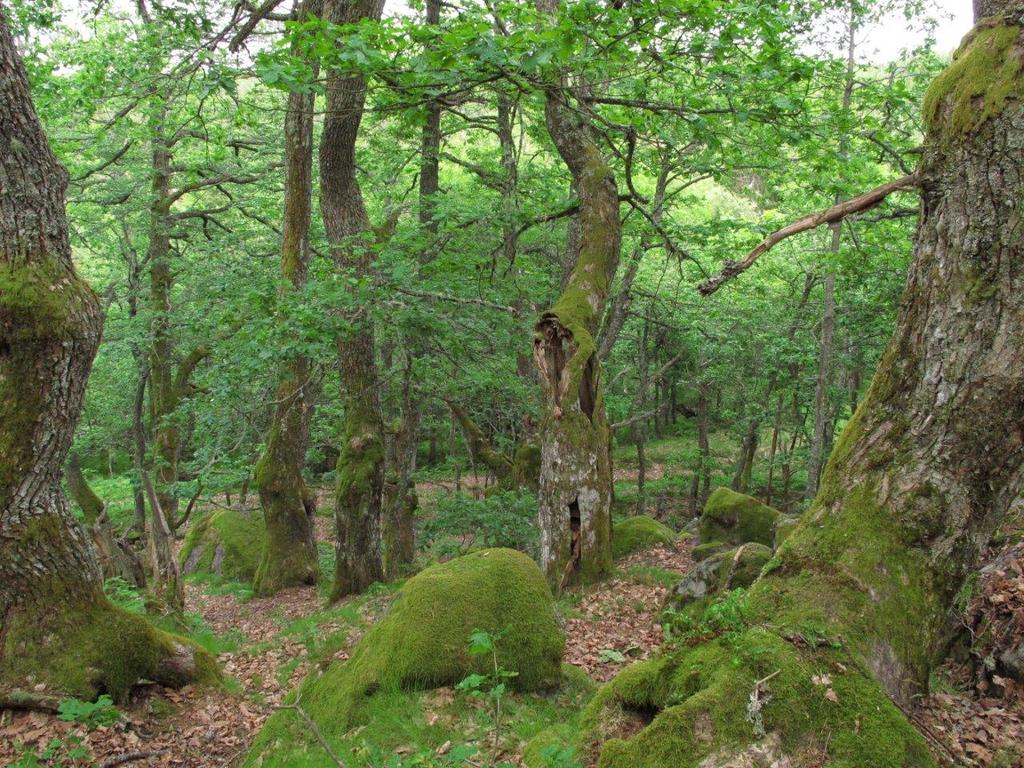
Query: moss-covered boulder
[(422, 643), (706, 549), (719, 573), (784, 525), (640, 532), (225, 543), (736, 518)]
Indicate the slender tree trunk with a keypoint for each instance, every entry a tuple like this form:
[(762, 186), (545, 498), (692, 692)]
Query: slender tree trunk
[(290, 556), (430, 145), (400, 501), (921, 477), (361, 463), (701, 484), (58, 629)]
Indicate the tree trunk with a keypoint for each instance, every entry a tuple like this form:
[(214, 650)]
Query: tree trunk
[(430, 145), (59, 632), (116, 558), (701, 483), (919, 480), (398, 522), (361, 463), (574, 509), (290, 556)]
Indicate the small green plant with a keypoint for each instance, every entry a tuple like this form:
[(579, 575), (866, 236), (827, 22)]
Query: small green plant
[(492, 686), (557, 756), (91, 714), (499, 520), (59, 753), (724, 616), (124, 595)]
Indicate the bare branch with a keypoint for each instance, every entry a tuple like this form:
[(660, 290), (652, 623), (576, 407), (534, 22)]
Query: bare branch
[(829, 216)]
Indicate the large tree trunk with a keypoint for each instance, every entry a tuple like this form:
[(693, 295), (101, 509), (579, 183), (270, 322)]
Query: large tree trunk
[(57, 630), (361, 463), (574, 498), (290, 556), (848, 620)]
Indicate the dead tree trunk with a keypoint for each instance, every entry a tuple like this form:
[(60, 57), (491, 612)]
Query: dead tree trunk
[(58, 629), (361, 463), (921, 477), (290, 556), (574, 499)]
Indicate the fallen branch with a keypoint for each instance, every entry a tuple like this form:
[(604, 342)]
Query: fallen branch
[(28, 701), (830, 216), (314, 729)]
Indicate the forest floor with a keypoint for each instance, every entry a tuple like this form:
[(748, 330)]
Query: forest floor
[(266, 646)]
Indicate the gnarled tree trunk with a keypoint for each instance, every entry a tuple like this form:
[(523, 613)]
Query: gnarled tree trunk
[(574, 497), (290, 556), (845, 624), (361, 463), (57, 630)]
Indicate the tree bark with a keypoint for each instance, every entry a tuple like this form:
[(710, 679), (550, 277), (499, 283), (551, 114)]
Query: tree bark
[(361, 463), (919, 480), (574, 509), (290, 556), (57, 630)]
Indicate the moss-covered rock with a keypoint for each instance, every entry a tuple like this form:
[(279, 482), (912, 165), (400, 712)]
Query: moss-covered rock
[(706, 549), (422, 643), (784, 525), (640, 532), (736, 518), (225, 543), (744, 696), (719, 573)]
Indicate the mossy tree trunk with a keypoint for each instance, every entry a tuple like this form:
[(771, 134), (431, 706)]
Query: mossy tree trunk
[(58, 629), (290, 556), (116, 558), (361, 463), (574, 496), (863, 590)]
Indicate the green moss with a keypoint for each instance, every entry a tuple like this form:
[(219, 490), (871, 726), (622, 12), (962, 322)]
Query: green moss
[(707, 549), (985, 74), (92, 649), (547, 748), (784, 526), (680, 709), (225, 543), (422, 641), (737, 519), (640, 532), (724, 571)]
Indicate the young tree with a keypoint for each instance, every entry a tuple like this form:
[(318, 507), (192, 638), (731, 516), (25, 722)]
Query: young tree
[(361, 463), (290, 556), (59, 631), (918, 482)]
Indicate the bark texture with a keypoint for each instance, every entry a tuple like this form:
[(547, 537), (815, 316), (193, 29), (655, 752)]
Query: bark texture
[(361, 463), (863, 590), (574, 497), (57, 630), (290, 557)]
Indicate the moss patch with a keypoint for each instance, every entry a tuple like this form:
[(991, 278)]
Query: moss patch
[(736, 518), (985, 74), (421, 643), (225, 543), (678, 710), (640, 532)]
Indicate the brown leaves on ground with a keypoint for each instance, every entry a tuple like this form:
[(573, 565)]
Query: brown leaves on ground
[(616, 621)]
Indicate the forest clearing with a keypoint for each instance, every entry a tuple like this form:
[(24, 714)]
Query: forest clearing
[(566, 384)]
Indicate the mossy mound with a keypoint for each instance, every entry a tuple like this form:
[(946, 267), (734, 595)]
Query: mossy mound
[(97, 648), (749, 698), (225, 543), (708, 549), (720, 573), (736, 518), (640, 532), (422, 643)]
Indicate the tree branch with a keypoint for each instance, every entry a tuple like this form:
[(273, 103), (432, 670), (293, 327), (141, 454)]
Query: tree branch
[(829, 216)]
